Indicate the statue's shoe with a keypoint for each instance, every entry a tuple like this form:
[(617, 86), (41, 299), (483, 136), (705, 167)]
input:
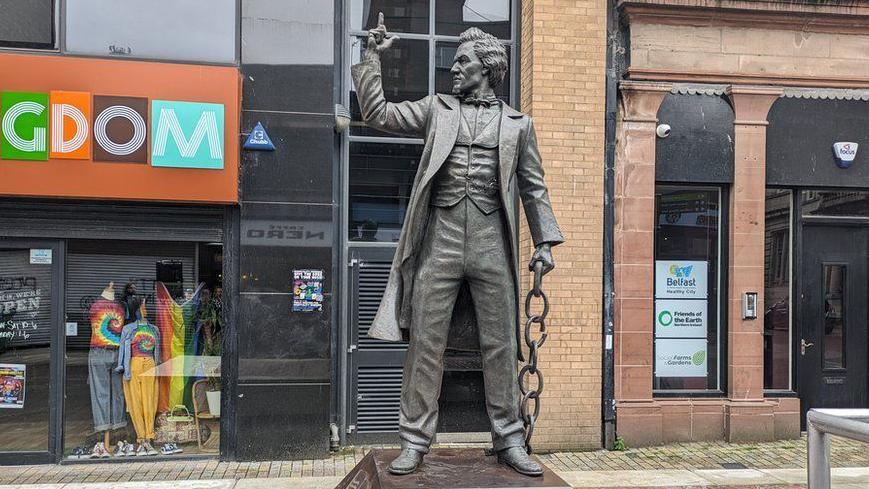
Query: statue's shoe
[(406, 462), (520, 461)]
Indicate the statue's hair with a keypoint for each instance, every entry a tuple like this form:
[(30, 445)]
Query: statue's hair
[(490, 51)]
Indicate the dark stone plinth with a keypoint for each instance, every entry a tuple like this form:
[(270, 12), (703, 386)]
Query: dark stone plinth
[(446, 469)]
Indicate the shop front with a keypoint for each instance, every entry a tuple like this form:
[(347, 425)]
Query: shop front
[(740, 221), (119, 182)]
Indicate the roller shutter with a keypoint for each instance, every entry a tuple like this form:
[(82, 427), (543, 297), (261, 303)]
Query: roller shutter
[(91, 265)]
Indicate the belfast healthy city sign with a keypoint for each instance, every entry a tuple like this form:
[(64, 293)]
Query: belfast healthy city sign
[(38, 126)]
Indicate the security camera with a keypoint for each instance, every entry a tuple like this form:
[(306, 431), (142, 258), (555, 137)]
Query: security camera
[(663, 130)]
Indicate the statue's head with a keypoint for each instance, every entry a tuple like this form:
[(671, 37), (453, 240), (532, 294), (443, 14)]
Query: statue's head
[(480, 60)]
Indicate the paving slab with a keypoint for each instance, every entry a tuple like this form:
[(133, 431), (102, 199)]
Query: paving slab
[(289, 483), (737, 477), (175, 484), (631, 478)]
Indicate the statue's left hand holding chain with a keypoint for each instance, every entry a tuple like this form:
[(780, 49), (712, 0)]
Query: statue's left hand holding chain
[(543, 254)]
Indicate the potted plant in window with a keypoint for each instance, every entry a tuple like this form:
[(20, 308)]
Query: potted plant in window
[(211, 316)]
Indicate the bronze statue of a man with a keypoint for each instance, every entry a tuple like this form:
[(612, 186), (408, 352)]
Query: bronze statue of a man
[(460, 228)]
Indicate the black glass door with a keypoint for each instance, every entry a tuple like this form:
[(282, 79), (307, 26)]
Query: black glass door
[(831, 349), (30, 327)]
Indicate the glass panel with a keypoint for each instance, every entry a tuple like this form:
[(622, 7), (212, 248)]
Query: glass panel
[(381, 176), (25, 351), (28, 24), (189, 30), (777, 291), (405, 77), (444, 54), (398, 15), (686, 254), (837, 204), (143, 326), (452, 17), (834, 316)]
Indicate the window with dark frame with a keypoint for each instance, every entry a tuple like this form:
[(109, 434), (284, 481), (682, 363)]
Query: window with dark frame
[(777, 291), (28, 24), (382, 166), (687, 289)]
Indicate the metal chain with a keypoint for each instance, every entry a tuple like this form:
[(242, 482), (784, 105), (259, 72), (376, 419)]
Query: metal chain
[(529, 415)]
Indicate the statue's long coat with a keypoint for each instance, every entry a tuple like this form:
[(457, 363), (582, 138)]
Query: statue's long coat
[(436, 118)]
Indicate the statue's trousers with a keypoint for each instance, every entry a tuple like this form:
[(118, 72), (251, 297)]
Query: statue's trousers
[(462, 244)]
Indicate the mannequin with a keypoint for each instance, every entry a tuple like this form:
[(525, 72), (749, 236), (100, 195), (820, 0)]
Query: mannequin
[(138, 358), (107, 397)]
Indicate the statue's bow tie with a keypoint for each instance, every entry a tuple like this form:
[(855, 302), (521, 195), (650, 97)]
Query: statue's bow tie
[(480, 102)]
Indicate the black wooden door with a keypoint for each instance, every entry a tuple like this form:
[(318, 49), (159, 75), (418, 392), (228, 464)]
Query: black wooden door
[(832, 341)]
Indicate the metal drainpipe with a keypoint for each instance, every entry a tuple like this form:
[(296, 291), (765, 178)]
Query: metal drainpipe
[(615, 62)]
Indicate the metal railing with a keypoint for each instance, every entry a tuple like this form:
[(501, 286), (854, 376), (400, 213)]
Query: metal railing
[(821, 423)]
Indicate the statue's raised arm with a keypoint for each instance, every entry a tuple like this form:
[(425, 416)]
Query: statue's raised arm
[(406, 118)]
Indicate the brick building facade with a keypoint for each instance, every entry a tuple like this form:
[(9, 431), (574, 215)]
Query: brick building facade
[(563, 90), (741, 101)]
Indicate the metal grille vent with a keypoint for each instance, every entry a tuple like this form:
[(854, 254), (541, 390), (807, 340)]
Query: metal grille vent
[(373, 276), (378, 399)]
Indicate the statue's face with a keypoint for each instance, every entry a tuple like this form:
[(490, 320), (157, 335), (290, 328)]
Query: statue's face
[(468, 71)]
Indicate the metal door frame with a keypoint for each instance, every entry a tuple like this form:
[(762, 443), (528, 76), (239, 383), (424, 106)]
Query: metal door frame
[(56, 355), (798, 330)]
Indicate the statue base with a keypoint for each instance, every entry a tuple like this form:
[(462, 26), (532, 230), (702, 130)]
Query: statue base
[(445, 468)]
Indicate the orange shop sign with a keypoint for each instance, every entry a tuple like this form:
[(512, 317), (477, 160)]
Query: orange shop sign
[(170, 136)]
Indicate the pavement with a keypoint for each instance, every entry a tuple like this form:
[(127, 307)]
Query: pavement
[(719, 465)]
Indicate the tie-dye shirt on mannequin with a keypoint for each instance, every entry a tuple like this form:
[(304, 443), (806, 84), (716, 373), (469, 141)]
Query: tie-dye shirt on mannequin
[(107, 321), (144, 340)]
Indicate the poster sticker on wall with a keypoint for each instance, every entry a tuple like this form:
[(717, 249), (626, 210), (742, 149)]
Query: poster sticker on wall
[(680, 357), (40, 256), (680, 318), (680, 279), (307, 290), (12, 380)]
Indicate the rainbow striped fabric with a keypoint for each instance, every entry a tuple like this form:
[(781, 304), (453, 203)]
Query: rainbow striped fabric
[(176, 322), (107, 321)]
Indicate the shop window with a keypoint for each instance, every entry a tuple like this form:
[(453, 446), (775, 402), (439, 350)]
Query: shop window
[(777, 291), (835, 204), (185, 30), (687, 289), (143, 349), (27, 24)]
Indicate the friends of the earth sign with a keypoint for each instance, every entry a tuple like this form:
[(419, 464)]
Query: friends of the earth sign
[(36, 126)]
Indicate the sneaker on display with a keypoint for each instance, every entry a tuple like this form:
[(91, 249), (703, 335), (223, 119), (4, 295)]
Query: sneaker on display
[(176, 448), (129, 450), (167, 449), (141, 451), (149, 449), (119, 450), (99, 451)]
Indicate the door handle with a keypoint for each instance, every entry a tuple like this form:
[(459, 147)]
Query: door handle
[(804, 345)]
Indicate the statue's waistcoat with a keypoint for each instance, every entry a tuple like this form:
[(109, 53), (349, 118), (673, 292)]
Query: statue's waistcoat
[(471, 169)]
